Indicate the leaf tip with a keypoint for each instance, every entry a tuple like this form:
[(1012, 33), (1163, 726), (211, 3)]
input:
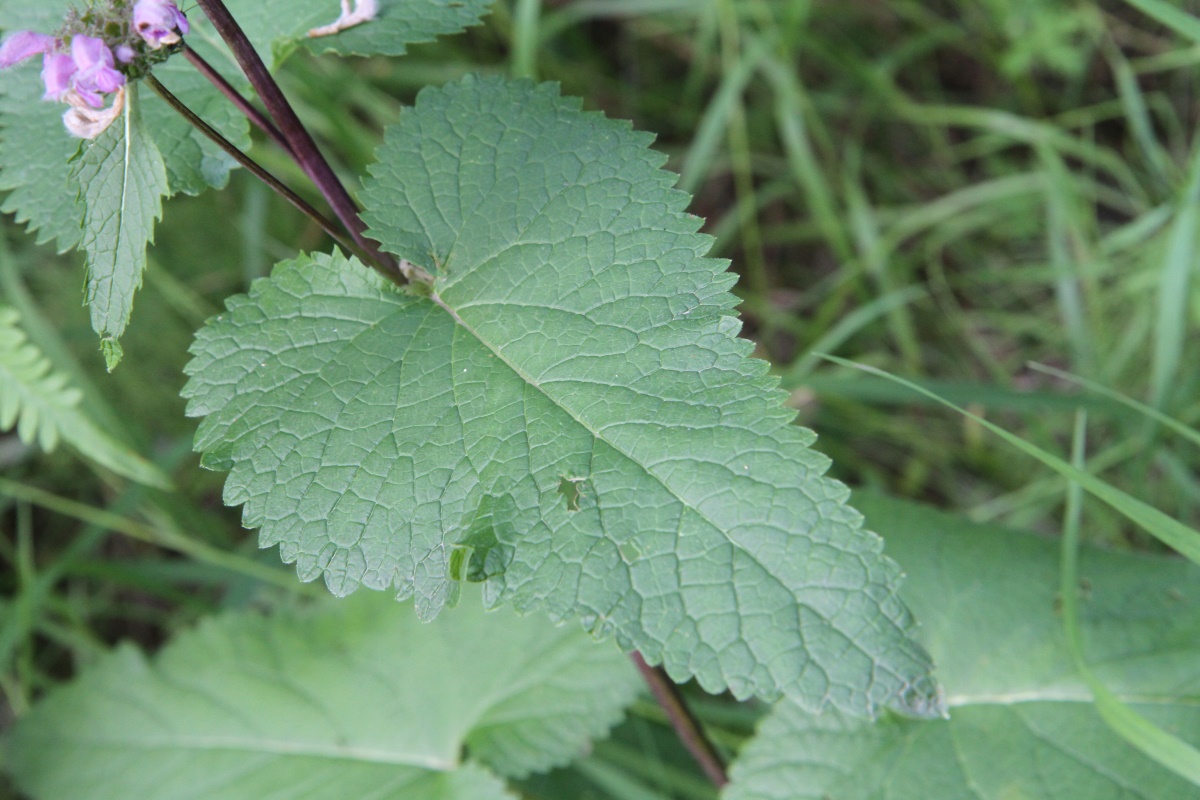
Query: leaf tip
[(113, 352)]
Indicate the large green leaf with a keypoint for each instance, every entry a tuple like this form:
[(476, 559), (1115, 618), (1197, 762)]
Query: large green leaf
[(1021, 723), (44, 407), (353, 699), (122, 179), (570, 413)]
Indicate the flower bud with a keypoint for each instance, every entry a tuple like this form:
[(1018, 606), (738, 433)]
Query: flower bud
[(159, 22)]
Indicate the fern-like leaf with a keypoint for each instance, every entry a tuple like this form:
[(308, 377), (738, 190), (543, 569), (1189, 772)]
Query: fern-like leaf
[(44, 408)]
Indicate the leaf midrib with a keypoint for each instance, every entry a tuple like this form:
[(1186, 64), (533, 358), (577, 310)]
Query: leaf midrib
[(1078, 695), (255, 745)]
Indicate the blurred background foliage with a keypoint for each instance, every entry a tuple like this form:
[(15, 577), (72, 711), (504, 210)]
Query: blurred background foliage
[(951, 190)]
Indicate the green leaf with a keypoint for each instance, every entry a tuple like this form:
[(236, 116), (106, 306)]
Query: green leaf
[(35, 150), (574, 333), (45, 408), (35, 147), (1166, 529), (1171, 15), (32, 397), (123, 180), (194, 163), (401, 23), (1022, 722), (350, 699), (277, 27)]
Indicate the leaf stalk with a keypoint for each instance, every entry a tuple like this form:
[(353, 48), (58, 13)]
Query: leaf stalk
[(686, 726), (253, 166), (302, 145), (260, 120)]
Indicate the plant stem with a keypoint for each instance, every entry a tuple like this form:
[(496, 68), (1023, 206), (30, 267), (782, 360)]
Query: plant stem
[(302, 145), (686, 726), (259, 119), (255, 168)]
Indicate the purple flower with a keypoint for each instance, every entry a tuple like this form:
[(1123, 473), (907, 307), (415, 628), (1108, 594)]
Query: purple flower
[(95, 75), (57, 71), (159, 22), (24, 44)]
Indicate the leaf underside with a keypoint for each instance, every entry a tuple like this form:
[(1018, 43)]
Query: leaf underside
[(123, 180), (575, 333), (1021, 720), (352, 699), (276, 27)]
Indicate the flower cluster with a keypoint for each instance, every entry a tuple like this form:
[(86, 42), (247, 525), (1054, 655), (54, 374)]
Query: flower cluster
[(86, 63)]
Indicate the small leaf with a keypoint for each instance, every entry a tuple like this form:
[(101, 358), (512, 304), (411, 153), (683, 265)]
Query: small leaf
[(1022, 722), (123, 180), (349, 699), (35, 150), (575, 330), (277, 27), (32, 397)]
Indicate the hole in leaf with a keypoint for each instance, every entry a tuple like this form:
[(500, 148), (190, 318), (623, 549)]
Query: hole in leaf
[(572, 490)]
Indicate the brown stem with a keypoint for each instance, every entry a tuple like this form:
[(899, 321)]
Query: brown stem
[(253, 166), (686, 726), (259, 119), (304, 148)]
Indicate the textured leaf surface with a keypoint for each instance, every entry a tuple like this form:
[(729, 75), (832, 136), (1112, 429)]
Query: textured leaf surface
[(45, 408), (123, 180), (276, 27), (1021, 721), (354, 700), (34, 153), (35, 147), (571, 413)]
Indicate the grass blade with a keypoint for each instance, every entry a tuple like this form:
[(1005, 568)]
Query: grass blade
[(1163, 747), (1171, 324), (1162, 527), (1170, 15)]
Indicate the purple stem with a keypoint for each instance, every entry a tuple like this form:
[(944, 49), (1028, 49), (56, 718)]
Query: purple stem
[(686, 726), (305, 150), (259, 119)]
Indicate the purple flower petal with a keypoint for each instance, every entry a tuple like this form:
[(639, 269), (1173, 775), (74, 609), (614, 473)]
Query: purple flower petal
[(22, 45), (57, 71), (96, 75), (159, 22), (90, 52)]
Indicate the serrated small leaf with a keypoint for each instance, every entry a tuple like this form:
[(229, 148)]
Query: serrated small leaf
[(401, 23), (277, 27), (351, 699), (574, 332), (123, 180), (35, 150), (1022, 724), (44, 407), (32, 397)]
